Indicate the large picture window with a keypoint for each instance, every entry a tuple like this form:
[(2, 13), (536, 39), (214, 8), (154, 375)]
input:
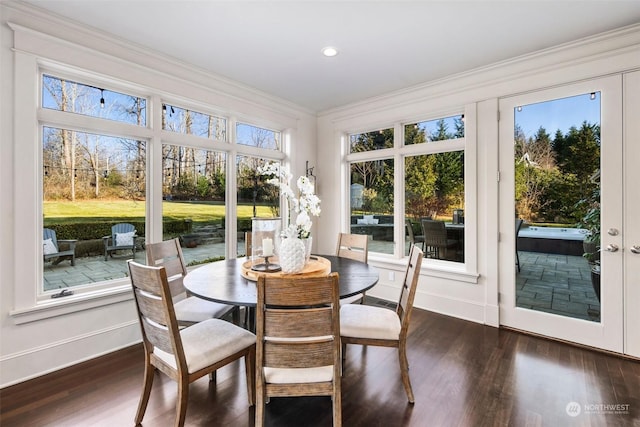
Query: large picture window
[(95, 182), (93, 186), (432, 175), (194, 201)]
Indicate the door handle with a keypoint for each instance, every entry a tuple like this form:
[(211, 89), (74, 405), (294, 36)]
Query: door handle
[(635, 249), (612, 248)]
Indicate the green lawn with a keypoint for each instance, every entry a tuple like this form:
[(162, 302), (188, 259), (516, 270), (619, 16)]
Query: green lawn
[(60, 212)]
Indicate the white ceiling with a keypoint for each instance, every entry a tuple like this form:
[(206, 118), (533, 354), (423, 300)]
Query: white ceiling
[(274, 46)]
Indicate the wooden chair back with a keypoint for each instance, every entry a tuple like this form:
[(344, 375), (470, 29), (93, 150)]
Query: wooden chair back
[(298, 326), (353, 246), (248, 244), (291, 310), (409, 286), (155, 312), (168, 254)]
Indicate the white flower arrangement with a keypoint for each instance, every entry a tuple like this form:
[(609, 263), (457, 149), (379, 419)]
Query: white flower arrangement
[(306, 204)]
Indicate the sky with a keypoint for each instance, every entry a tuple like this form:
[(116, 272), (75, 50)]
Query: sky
[(555, 114), (559, 114)]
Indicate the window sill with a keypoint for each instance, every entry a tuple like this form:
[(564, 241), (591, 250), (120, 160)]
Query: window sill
[(442, 269), (60, 306)]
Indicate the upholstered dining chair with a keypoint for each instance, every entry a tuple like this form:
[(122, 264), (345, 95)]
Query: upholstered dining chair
[(187, 354), (356, 247), (298, 340), (436, 243), (378, 326), (189, 309)]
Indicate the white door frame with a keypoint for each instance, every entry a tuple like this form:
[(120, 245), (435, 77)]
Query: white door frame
[(631, 111), (608, 333)]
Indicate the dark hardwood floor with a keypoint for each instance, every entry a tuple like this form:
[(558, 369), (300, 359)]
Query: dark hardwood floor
[(463, 374)]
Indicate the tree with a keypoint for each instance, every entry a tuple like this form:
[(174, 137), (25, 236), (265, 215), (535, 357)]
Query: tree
[(420, 186), (377, 174), (435, 182)]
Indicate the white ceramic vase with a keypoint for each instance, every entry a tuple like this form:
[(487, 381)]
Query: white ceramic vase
[(292, 255)]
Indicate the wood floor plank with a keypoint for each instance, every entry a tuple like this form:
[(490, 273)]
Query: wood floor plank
[(463, 374)]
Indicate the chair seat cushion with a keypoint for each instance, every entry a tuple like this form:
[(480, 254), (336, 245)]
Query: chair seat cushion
[(194, 309), (365, 321), (298, 375), (208, 342)]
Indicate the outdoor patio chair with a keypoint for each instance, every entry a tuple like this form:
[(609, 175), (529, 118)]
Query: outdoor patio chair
[(379, 326), (518, 227), (51, 250), (123, 237), (413, 238), (436, 242)]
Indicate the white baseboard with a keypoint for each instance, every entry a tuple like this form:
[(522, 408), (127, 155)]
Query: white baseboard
[(455, 307), (35, 362)]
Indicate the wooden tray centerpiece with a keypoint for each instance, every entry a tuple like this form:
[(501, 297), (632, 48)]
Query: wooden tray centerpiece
[(317, 266)]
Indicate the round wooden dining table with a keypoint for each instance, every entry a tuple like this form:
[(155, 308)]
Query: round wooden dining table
[(222, 281)]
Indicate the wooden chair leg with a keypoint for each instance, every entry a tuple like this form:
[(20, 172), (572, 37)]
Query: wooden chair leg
[(213, 376), (250, 368), (337, 409), (404, 372), (183, 398), (260, 402), (146, 391), (235, 316)]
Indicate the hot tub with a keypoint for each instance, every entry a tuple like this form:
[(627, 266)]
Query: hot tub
[(552, 240)]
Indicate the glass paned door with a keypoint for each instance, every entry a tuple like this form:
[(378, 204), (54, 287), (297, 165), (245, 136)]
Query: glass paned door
[(557, 206), (560, 153)]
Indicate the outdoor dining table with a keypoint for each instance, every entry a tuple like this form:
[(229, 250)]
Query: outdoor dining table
[(223, 281)]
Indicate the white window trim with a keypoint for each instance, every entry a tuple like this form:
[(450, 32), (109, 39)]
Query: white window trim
[(466, 271), (30, 62)]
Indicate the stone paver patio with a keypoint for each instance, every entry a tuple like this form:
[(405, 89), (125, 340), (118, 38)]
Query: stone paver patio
[(559, 284)]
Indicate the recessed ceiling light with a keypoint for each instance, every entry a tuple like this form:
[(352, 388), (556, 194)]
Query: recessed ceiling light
[(329, 51)]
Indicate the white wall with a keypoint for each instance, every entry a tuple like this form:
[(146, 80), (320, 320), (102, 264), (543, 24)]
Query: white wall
[(446, 291), (95, 326)]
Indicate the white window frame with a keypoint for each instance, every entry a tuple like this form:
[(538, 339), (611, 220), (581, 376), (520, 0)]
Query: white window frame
[(30, 303), (465, 271)]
